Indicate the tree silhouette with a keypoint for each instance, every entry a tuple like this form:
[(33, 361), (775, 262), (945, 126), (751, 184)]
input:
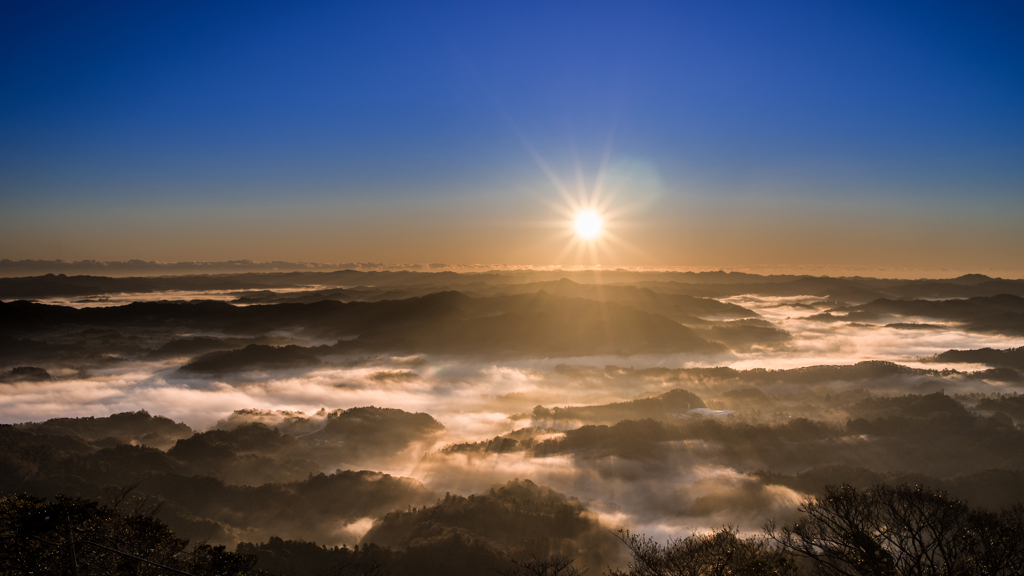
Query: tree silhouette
[(719, 553), (38, 537), (553, 566), (903, 531)]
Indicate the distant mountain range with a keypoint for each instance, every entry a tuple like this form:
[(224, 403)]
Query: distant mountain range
[(352, 284)]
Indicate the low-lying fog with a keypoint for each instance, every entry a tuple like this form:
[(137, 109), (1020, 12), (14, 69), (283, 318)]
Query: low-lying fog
[(473, 398), (692, 484)]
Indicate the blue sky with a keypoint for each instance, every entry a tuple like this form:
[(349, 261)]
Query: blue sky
[(404, 131)]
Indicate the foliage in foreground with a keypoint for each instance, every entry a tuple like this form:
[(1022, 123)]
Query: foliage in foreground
[(720, 553), (903, 530), (881, 531), (35, 538)]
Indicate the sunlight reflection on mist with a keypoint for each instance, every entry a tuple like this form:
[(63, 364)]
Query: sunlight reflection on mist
[(471, 398), (816, 343), (474, 400)]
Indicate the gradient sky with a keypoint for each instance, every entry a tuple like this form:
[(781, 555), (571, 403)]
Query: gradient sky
[(783, 134)]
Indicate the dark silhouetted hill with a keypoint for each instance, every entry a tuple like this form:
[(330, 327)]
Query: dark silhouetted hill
[(519, 518), (409, 283), (919, 406), (668, 406), (1001, 314), (364, 434), (253, 357), (141, 427), (871, 370), (252, 454), (1011, 405), (537, 324), (445, 323), (1009, 358), (197, 345), (25, 374), (671, 305), (197, 503)]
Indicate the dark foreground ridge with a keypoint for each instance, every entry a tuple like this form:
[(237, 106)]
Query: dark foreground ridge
[(523, 528)]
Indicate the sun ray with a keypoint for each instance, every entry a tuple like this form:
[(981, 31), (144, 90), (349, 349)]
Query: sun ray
[(566, 250), (541, 163), (623, 244), (590, 214), (602, 171), (581, 183)]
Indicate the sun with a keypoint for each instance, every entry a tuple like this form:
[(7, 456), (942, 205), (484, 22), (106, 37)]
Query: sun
[(589, 219), (588, 224)]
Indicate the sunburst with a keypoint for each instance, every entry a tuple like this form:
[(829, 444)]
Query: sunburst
[(589, 219), (590, 216), (588, 225)]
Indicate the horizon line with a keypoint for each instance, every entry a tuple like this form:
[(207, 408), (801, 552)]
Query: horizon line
[(31, 267)]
